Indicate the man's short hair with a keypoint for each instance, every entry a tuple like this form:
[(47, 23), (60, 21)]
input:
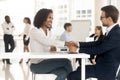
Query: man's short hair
[(111, 11), (67, 25)]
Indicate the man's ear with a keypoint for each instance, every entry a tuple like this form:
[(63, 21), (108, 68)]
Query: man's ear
[(110, 19)]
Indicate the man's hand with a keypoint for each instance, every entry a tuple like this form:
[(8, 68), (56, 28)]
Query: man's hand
[(71, 43), (75, 43), (73, 48)]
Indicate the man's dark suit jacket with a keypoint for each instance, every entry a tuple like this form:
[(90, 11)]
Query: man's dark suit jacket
[(107, 51)]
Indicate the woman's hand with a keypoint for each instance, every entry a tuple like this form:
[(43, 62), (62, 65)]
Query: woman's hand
[(93, 61), (53, 49)]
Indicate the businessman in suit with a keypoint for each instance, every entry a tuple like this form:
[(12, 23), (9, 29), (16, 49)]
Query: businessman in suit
[(106, 49)]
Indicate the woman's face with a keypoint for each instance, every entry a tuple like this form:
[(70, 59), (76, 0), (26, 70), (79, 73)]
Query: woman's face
[(48, 22), (25, 21), (97, 31)]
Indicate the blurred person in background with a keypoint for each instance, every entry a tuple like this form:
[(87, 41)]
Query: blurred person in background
[(98, 35), (25, 34), (65, 35), (8, 29)]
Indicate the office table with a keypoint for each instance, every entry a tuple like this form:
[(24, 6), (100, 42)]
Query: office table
[(44, 55)]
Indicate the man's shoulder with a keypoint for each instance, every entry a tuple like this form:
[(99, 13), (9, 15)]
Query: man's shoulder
[(117, 27), (116, 30)]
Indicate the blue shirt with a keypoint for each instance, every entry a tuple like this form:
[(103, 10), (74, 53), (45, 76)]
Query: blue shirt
[(65, 36)]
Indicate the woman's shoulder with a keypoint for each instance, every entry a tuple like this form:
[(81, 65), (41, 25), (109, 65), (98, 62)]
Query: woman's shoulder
[(34, 30)]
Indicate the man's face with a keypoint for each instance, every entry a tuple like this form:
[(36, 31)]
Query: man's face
[(69, 28), (7, 19), (104, 19)]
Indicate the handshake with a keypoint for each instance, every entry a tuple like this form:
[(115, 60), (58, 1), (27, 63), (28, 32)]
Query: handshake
[(72, 45)]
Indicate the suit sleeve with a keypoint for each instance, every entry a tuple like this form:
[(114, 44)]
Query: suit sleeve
[(104, 46), (89, 44)]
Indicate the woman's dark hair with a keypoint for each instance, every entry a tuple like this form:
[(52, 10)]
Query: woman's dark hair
[(67, 25), (41, 17), (99, 28), (7, 19), (111, 11), (28, 20)]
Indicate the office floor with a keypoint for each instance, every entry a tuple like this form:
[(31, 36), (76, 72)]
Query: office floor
[(15, 71), (22, 71)]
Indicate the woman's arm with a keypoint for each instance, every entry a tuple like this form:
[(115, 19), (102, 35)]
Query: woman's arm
[(37, 35)]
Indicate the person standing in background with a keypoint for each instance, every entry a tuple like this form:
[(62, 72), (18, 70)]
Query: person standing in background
[(25, 34), (65, 35), (8, 29)]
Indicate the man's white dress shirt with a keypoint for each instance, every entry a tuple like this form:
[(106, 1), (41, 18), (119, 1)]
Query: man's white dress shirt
[(8, 28), (108, 29)]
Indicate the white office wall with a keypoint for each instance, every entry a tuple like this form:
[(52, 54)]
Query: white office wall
[(80, 30)]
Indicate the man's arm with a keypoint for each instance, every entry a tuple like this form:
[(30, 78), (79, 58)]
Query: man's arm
[(89, 44), (104, 46)]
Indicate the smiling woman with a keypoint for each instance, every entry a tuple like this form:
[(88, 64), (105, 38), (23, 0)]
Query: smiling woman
[(41, 40)]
